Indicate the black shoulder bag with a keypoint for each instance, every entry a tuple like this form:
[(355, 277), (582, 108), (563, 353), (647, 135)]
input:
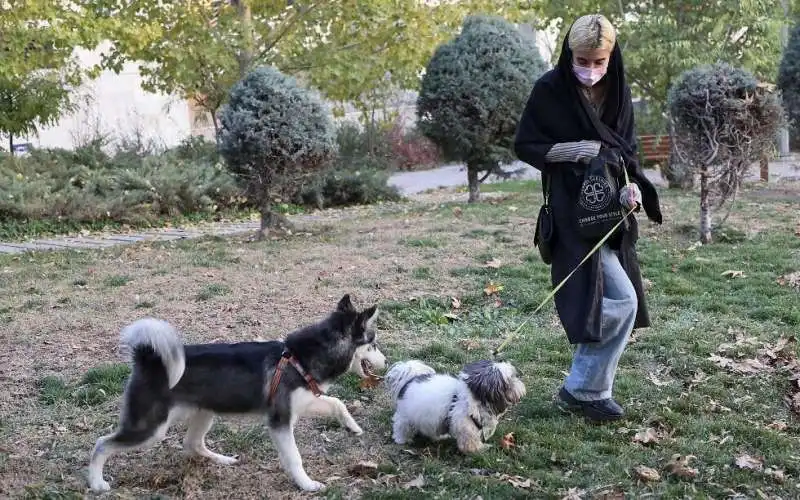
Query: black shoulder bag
[(543, 237), (598, 209)]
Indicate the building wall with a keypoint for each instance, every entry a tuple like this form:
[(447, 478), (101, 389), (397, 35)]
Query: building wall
[(115, 105)]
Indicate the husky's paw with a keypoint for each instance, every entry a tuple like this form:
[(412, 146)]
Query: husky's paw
[(355, 429), (225, 460), (312, 486), (99, 485)]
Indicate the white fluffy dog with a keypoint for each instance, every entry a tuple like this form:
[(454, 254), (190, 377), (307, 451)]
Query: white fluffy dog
[(439, 406)]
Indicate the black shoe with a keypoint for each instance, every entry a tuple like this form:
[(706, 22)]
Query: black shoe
[(605, 410)]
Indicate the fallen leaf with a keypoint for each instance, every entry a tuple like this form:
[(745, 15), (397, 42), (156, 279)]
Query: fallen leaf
[(615, 493), (364, 469), (749, 462), (519, 482), (791, 280), (646, 473), (573, 494), (778, 475), (470, 344), (647, 436), (744, 367), (494, 263), (734, 274), (512, 208), (778, 425), (418, 482), (492, 288), (655, 381), (456, 303), (647, 284), (451, 316), (371, 381), (457, 211), (679, 467), (508, 441)]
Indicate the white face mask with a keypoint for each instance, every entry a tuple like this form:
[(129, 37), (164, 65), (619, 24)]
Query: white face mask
[(589, 76)]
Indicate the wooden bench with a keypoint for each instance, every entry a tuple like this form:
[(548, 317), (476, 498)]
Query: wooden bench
[(654, 148)]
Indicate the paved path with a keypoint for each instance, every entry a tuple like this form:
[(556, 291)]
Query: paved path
[(408, 183)]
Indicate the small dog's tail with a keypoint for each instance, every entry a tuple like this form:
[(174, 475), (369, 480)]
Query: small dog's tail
[(152, 340), (403, 372)]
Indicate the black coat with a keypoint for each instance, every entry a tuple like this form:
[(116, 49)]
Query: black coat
[(558, 112)]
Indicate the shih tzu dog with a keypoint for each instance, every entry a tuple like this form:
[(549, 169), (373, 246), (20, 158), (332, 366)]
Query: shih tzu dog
[(467, 407)]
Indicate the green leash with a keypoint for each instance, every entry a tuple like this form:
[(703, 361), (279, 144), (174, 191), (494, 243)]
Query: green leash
[(555, 290)]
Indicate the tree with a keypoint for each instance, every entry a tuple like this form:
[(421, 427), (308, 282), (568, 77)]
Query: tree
[(789, 77), (272, 133), (725, 120), (345, 48), (473, 92), (38, 69)]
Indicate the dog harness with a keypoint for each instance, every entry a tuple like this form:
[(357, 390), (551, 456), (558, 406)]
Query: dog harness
[(445, 429), (288, 358)]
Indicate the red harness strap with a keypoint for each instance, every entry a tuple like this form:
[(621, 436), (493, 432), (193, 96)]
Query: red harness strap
[(286, 357)]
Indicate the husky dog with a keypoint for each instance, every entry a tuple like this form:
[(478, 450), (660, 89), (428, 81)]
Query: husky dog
[(283, 380), (439, 406)]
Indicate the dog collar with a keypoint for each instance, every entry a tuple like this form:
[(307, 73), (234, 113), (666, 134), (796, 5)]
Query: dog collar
[(288, 358)]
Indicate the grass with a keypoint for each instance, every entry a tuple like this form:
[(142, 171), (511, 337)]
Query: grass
[(708, 304)]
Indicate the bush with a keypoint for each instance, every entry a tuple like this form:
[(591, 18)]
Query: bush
[(338, 187), (273, 132), (473, 92), (88, 186), (725, 121), (386, 146)]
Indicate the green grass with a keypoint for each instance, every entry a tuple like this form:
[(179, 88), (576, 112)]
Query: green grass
[(667, 379), (212, 290), (695, 308), (117, 280), (100, 384)]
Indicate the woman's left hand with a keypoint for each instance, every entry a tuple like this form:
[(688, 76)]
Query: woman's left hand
[(630, 197)]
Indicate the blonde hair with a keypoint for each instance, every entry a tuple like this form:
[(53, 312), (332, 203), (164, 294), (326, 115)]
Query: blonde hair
[(592, 31)]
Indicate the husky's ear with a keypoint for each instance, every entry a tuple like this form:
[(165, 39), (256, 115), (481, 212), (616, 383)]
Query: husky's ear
[(368, 317), (364, 331), (345, 305)]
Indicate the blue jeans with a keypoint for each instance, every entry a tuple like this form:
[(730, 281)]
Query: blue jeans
[(594, 365)]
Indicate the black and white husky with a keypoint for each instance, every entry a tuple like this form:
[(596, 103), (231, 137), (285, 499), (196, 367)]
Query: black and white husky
[(283, 380)]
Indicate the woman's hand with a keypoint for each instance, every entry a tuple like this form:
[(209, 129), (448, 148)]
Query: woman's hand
[(630, 197)]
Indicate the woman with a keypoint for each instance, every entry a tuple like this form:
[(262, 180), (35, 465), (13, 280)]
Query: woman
[(580, 113)]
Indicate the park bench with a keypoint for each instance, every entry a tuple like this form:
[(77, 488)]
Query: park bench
[(654, 148)]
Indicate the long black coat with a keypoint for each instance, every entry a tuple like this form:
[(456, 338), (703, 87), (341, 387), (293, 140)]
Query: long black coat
[(557, 112)]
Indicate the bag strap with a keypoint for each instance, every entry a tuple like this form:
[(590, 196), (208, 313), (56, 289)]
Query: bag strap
[(546, 188)]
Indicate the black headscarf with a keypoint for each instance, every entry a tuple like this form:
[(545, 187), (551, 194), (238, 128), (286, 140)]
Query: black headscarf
[(547, 120)]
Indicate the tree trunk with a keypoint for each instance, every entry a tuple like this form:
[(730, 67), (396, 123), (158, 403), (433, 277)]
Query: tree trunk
[(764, 168), (270, 221), (474, 184), (246, 23), (215, 123), (11, 144), (705, 209)]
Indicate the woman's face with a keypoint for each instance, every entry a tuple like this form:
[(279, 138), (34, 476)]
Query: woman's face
[(591, 59)]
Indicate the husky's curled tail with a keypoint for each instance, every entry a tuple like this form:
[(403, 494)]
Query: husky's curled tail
[(400, 374), (153, 345)]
